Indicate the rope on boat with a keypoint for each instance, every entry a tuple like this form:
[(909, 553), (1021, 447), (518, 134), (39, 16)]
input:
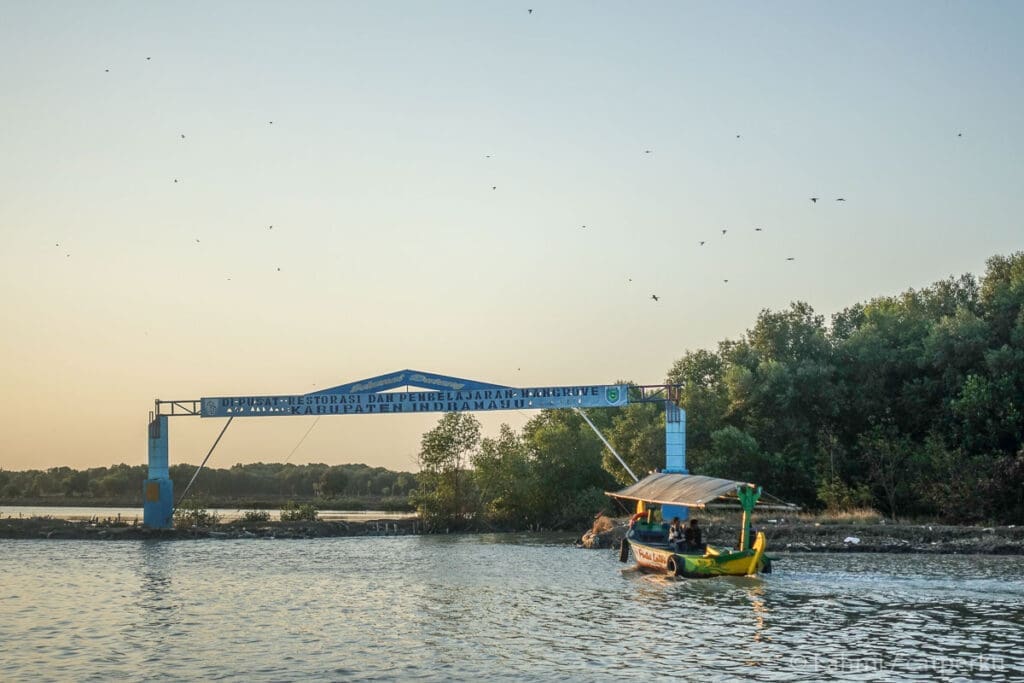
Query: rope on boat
[(605, 442), (192, 481)]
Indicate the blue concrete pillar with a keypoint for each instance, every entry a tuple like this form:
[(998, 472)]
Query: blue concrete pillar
[(675, 454), (158, 490)]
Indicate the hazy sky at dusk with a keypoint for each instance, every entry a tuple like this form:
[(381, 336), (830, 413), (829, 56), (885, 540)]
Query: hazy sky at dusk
[(394, 250)]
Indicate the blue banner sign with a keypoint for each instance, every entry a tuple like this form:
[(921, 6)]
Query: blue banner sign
[(372, 403)]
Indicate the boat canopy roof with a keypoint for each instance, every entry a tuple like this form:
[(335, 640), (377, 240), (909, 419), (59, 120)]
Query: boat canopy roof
[(689, 490)]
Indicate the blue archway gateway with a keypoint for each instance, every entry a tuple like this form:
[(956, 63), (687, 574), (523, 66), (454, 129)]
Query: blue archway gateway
[(403, 392)]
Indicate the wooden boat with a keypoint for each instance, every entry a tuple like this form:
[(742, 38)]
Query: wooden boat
[(648, 537)]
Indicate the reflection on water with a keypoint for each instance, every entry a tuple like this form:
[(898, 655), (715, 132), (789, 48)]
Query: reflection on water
[(756, 596), (157, 603), (495, 607)]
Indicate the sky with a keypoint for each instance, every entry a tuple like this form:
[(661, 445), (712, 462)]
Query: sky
[(465, 188)]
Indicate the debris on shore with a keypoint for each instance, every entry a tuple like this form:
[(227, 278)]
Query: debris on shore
[(605, 532), (784, 535), (800, 535)]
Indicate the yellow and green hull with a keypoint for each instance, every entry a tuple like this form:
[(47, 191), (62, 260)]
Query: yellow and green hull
[(712, 562)]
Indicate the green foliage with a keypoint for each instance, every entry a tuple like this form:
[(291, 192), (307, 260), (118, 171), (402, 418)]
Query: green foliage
[(333, 482), (298, 512), (76, 484), (734, 454), (121, 484), (566, 458), (192, 513), (838, 496), (911, 403), (705, 396), (579, 508), (256, 516), (504, 478), (445, 494), (393, 504), (1003, 493), (638, 434), (549, 476)]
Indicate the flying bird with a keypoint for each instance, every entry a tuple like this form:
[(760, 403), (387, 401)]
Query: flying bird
[(647, 151), (959, 135), (737, 137), (724, 230), (487, 156), (790, 258), (529, 11), (757, 229), (702, 243), (583, 226), (840, 199), (654, 296), (106, 71), (725, 281), (148, 58), (182, 136), (197, 240), (494, 187), (175, 180), (814, 200), (279, 270), (270, 122)]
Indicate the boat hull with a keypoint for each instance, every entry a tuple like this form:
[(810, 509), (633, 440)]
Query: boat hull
[(699, 565)]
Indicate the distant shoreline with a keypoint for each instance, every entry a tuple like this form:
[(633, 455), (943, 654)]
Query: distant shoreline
[(133, 515), (353, 503), (63, 529), (796, 536)]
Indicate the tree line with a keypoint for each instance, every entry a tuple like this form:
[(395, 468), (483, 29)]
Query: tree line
[(912, 404), (353, 484)]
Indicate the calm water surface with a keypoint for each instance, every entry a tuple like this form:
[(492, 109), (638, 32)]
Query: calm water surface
[(491, 607)]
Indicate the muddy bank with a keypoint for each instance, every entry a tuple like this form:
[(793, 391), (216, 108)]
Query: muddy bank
[(786, 535), (41, 527)]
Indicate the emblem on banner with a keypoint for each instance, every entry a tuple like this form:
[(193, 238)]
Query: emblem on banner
[(612, 394), (210, 407)]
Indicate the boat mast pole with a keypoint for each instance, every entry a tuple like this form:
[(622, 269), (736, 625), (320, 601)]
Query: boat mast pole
[(608, 445), (748, 496)]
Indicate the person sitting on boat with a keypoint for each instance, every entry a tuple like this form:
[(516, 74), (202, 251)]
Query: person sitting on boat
[(694, 541), (676, 533)]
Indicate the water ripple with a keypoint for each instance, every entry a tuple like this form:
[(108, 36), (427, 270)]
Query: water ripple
[(495, 607)]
